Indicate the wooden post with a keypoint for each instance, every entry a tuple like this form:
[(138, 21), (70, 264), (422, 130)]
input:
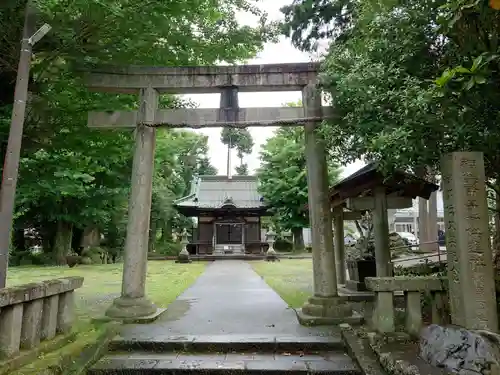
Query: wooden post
[(133, 303)]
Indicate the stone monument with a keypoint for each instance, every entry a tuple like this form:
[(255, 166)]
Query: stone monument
[(470, 260)]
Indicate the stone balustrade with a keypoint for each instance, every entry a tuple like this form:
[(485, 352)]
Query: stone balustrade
[(35, 312), (412, 287)]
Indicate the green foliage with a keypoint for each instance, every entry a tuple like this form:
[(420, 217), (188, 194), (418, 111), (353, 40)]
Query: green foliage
[(242, 141), (382, 77), (94, 254), (283, 245), (28, 258), (309, 21), (242, 170), (169, 248), (75, 177), (283, 177)]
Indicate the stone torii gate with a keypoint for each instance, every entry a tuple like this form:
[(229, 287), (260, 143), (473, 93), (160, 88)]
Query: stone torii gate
[(325, 306)]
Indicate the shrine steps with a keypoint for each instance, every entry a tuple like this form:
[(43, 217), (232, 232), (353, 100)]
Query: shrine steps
[(224, 354)]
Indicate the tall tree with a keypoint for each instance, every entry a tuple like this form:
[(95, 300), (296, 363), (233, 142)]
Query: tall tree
[(242, 170), (308, 22), (242, 141), (71, 177), (283, 180)]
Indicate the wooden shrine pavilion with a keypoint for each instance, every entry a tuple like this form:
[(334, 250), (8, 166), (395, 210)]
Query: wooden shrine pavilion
[(229, 211)]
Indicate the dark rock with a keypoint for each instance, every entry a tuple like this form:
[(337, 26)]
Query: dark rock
[(183, 258), (460, 350), (73, 260)]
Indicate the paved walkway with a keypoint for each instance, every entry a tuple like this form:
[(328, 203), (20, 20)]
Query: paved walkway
[(228, 298)]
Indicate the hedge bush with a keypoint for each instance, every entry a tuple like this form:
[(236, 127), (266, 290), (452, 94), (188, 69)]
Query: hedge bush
[(27, 258), (168, 248), (283, 245)]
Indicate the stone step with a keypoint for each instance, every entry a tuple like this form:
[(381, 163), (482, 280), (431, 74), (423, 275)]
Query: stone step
[(228, 343), (334, 363)]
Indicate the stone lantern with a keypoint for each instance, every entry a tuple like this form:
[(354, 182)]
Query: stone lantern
[(183, 256), (271, 239)]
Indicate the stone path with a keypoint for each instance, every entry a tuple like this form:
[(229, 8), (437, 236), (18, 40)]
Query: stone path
[(228, 321), (228, 298)]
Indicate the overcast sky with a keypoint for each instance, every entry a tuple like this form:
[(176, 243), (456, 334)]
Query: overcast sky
[(282, 52)]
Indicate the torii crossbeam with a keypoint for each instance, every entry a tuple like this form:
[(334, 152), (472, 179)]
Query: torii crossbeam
[(227, 80)]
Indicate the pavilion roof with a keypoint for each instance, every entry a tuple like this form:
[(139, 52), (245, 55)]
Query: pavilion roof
[(362, 182), (215, 192)]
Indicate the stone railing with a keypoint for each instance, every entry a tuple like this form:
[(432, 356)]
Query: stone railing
[(383, 318), (35, 312)]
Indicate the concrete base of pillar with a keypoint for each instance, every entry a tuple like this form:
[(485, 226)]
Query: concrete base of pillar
[(327, 311), (131, 308), (139, 320)]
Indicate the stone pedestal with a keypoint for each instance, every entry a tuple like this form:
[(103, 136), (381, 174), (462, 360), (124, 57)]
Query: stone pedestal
[(470, 263), (133, 303), (325, 306)]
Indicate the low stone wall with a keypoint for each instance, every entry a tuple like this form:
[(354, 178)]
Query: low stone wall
[(383, 317), (35, 312)]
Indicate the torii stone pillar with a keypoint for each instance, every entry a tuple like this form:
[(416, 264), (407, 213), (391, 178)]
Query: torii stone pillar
[(133, 303), (340, 264), (470, 261), (325, 306)]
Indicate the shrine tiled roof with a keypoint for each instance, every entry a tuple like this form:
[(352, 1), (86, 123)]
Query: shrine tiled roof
[(219, 191)]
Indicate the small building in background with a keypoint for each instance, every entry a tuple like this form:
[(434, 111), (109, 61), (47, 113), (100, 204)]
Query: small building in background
[(228, 210)]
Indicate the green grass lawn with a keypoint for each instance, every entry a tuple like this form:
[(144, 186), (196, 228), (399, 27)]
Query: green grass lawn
[(290, 278), (166, 280)]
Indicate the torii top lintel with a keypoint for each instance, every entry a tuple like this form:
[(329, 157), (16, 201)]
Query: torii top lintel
[(204, 79)]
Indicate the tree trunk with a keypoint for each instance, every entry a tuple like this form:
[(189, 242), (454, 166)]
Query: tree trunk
[(48, 234), (76, 241), (153, 225), (19, 240), (91, 237), (166, 231), (62, 242), (298, 239)]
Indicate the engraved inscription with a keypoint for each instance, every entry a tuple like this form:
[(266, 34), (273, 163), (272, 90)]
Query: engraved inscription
[(470, 270)]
